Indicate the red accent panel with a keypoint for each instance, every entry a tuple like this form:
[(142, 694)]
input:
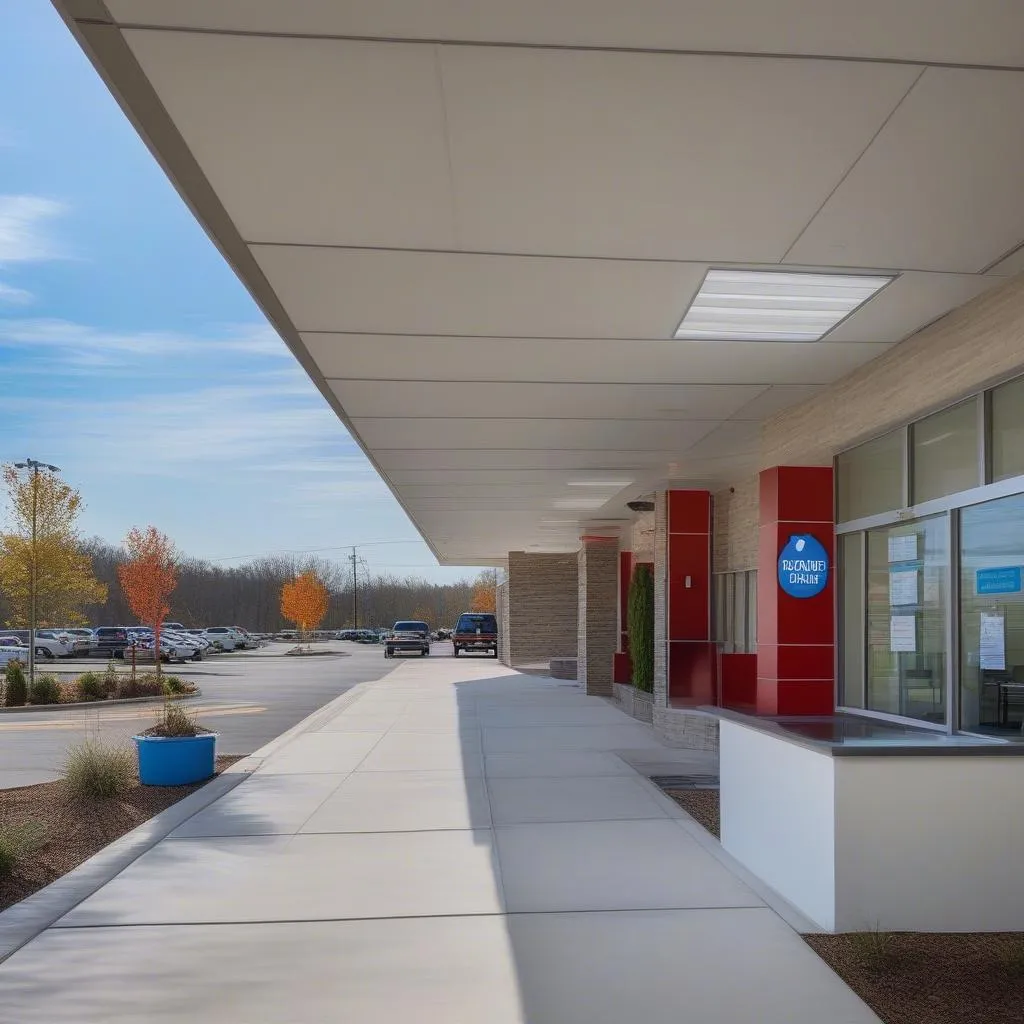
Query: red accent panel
[(691, 672), (804, 697), (689, 511), (622, 667), (688, 607), (738, 675), (796, 637)]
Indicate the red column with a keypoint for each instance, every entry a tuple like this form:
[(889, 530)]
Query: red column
[(795, 636), (691, 654)]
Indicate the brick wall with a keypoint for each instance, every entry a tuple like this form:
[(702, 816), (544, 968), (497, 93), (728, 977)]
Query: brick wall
[(736, 527), (501, 604), (641, 537), (598, 591), (970, 348), (543, 602)]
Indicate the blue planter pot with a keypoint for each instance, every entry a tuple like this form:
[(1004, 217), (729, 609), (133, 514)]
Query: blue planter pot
[(175, 760)]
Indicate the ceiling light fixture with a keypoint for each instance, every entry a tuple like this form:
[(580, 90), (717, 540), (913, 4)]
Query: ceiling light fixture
[(614, 485), (582, 504), (769, 305)]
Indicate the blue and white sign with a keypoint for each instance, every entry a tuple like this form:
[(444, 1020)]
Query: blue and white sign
[(803, 567), (1004, 580)]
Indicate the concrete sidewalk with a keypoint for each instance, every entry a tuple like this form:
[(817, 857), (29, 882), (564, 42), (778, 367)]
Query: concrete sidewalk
[(460, 844)]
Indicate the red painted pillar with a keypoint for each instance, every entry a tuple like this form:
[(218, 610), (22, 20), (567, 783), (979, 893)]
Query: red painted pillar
[(795, 635), (691, 654)]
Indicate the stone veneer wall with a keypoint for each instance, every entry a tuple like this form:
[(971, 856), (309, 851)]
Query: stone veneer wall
[(970, 348), (543, 602), (501, 604), (598, 595), (736, 527), (641, 538)]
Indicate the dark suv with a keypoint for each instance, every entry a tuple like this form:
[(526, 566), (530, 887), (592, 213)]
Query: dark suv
[(407, 637), (111, 642), (476, 631)]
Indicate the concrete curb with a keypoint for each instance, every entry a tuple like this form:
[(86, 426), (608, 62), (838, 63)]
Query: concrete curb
[(32, 708), (21, 923)]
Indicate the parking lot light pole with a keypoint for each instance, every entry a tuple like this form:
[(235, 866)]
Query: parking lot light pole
[(35, 467)]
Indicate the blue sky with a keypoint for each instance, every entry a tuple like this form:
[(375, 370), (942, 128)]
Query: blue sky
[(131, 356)]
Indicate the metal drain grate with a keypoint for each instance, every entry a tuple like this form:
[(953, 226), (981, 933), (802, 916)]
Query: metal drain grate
[(685, 781)]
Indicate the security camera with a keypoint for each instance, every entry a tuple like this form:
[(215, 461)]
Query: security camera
[(640, 506)]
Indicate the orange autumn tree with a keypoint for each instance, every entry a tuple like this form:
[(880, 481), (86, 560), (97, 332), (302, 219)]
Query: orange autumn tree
[(304, 601), (148, 579), (483, 599)]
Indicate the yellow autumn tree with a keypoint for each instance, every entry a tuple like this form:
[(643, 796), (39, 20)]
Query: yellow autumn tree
[(41, 541), (304, 601), (484, 596)]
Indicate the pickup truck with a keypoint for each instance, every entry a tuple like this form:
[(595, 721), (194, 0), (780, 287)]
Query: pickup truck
[(407, 637)]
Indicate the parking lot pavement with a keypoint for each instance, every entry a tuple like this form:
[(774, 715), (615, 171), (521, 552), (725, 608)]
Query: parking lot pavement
[(248, 698)]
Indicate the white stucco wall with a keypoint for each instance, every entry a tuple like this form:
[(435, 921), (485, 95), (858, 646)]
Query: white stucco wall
[(930, 843), (778, 815)]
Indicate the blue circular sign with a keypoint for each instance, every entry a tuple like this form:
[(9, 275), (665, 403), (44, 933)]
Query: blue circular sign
[(803, 567)]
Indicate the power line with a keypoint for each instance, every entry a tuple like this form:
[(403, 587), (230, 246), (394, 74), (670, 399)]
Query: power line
[(310, 551)]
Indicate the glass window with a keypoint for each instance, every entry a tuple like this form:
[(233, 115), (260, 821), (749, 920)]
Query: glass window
[(1008, 430), (907, 606), (752, 612), (992, 616), (851, 620), (739, 617), (869, 478), (718, 583), (945, 452)]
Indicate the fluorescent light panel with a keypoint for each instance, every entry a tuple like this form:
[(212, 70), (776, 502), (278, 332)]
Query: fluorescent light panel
[(756, 305), (581, 504), (611, 485)]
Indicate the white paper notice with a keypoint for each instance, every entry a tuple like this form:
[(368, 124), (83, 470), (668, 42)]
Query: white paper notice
[(903, 548), (903, 587), (993, 642), (902, 633)]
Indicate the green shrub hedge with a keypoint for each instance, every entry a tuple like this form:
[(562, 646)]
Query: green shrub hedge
[(641, 627)]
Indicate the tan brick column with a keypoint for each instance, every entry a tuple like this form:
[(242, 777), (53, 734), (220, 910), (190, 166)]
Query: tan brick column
[(540, 608), (598, 613)]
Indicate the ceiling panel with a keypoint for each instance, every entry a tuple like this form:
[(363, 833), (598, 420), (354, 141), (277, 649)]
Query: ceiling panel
[(396, 357), (1012, 264), (902, 307), (775, 399), (311, 140), (602, 154), (526, 433), (393, 292), (521, 459), (974, 32), (939, 189), (558, 401)]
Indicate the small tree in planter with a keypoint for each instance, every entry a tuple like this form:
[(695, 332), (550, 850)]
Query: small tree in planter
[(176, 751), (304, 601), (641, 627)]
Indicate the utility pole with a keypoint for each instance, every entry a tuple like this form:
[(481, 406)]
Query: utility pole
[(355, 591), (34, 466)]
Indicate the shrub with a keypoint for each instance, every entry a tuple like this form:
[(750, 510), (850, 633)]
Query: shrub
[(175, 721), (91, 686), (98, 771), (874, 948), (175, 687), (45, 690), (17, 841), (641, 627), (111, 683), (146, 685), (15, 687)]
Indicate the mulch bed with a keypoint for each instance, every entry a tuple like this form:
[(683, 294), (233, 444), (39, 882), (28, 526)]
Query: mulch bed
[(76, 830), (924, 978), (701, 804)]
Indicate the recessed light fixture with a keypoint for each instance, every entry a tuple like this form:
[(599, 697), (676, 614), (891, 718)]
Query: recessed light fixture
[(582, 504), (770, 305), (611, 485), (560, 522)]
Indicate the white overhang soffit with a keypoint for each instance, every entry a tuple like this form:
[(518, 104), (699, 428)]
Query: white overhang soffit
[(542, 257)]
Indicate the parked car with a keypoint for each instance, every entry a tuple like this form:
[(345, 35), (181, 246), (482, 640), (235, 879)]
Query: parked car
[(46, 646), (111, 642), (407, 637), (12, 649), (476, 631), (196, 644), (225, 638), (81, 639), (170, 650)]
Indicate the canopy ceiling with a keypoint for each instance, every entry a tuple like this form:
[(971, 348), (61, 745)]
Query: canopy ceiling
[(478, 225)]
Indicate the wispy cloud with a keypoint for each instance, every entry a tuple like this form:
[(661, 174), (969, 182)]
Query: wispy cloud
[(85, 346), (14, 296), (24, 237)]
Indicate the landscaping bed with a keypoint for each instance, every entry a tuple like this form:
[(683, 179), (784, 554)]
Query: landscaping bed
[(701, 804), (926, 978), (72, 830)]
